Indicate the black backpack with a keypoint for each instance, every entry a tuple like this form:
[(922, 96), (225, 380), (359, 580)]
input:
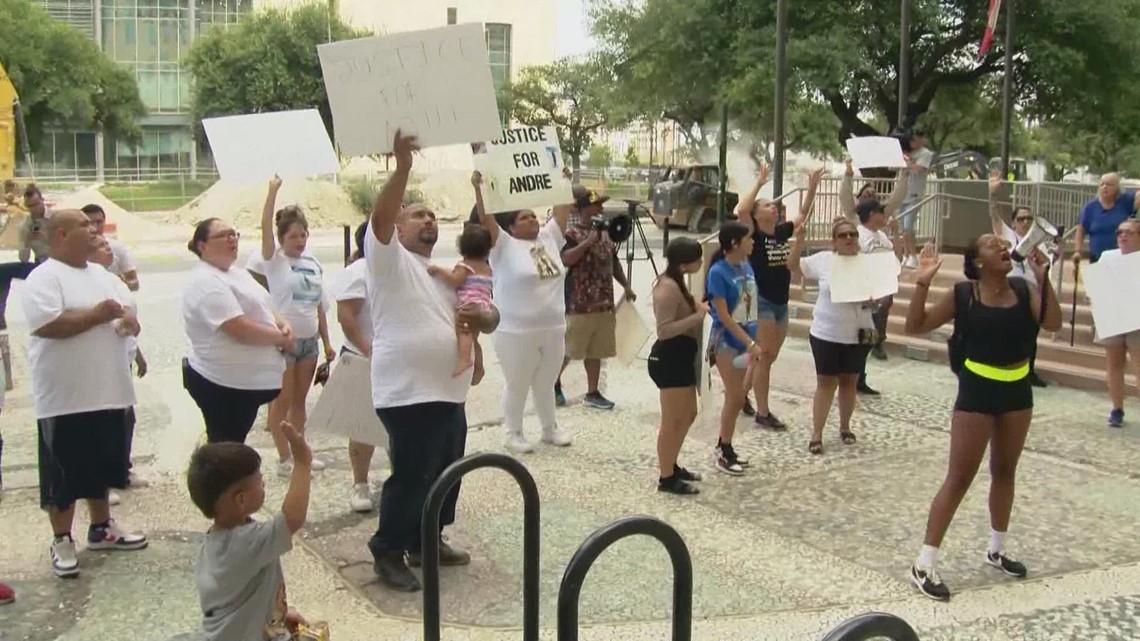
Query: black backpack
[(964, 294)]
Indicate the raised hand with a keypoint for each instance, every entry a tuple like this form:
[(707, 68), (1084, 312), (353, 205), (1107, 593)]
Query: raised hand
[(815, 177), (1039, 263), (275, 183), (849, 167), (995, 181), (403, 147), (476, 179), (298, 448), (762, 173), (929, 262)]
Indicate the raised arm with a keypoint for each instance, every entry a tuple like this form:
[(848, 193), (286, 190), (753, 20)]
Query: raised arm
[(486, 220), (920, 320), (808, 204), (748, 200), (797, 251), (898, 195), (995, 208), (847, 191), (1051, 318), (391, 197), (268, 245), (562, 212)]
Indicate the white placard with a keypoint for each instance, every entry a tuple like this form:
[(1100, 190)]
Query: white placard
[(253, 147), (1113, 286), (522, 169), (344, 407), (630, 332), (434, 83), (875, 151), (864, 277)]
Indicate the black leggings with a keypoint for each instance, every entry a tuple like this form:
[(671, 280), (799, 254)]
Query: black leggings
[(229, 412)]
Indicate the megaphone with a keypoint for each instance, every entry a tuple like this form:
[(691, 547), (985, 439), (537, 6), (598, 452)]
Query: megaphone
[(1041, 231)]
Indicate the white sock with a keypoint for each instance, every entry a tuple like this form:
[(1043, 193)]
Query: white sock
[(997, 542), (927, 557)]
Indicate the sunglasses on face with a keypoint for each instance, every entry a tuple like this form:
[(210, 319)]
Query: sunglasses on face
[(847, 235), (1024, 219)]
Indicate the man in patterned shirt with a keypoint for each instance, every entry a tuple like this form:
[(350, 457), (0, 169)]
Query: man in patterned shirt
[(591, 267)]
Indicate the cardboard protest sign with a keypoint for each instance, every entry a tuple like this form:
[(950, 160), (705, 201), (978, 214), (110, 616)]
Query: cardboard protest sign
[(875, 151), (522, 169), (1115, 293), (434, 83), (254, 147), (864, 277)]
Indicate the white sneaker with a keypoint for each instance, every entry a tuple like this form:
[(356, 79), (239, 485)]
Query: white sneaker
[(135, 481), (317, 465), (557, 437), (64, 562), (519, 445), (911, 262), (360, 498), (114, 537), (113, 497), (285, 468)]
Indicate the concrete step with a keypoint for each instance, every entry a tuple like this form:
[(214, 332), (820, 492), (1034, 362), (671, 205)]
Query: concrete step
[(934, 351)]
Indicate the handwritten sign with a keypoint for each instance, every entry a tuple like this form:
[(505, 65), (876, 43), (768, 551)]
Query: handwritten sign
[(522, 169), (251, 148), (875, 151), (1114, 292), (864, 277), (434, 83)]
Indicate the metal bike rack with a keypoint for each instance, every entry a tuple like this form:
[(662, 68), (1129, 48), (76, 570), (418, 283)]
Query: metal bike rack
[(429, 529), (873, 625), (598, 542)]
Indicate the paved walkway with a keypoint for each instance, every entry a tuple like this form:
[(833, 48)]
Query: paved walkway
[(786, 552)]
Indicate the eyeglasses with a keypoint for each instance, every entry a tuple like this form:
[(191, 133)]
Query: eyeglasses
[(229, 233), (847, 235)]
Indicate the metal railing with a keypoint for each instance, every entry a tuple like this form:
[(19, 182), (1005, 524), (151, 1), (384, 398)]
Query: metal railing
[(430, 533), (874, 625), (600, 541)]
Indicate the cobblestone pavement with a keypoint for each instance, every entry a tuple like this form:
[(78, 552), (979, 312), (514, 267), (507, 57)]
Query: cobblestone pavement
[(786, 552)]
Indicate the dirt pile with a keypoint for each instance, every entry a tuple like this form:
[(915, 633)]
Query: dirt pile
[(324, 203), (130, 228)]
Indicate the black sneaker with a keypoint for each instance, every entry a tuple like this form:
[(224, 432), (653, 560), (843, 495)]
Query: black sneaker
[(1116, 418), (676, 485), (867, 390), (748, 410), (929, 583), (1007, 564), (1037, 381), (392, 570), (448, 556), (879, 353), (727, 461), (597, 401), (770, 422), (559, 397), (686, 475)]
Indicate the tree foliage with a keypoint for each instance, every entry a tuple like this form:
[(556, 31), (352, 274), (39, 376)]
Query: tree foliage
[(600, 157), (567, 94), (631, 159), (62, 77), (267, 62)]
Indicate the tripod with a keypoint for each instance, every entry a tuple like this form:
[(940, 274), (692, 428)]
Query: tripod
[(637, 232)]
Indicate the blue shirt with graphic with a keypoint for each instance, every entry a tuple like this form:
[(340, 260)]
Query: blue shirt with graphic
[(736, 285)]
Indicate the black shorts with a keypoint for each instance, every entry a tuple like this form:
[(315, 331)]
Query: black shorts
[(980, 395), (673, 362), (81, 456), (835, 359), (229, 413)]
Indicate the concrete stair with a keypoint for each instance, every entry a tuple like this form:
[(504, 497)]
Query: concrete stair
[(1081, 365)]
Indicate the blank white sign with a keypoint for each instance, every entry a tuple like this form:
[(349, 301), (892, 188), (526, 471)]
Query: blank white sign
[(875, 151), (252, 148), (864, 277), (1113, 287), (435, 84)]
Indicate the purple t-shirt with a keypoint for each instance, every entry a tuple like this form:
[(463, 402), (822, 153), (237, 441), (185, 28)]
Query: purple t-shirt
[(1100, 223)]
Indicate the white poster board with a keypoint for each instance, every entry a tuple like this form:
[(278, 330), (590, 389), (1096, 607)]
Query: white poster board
[(344, 407), (435, 84), (864, 277), (875, 151), (1113, 286), (630, 332), (522, 169), (252, 148)]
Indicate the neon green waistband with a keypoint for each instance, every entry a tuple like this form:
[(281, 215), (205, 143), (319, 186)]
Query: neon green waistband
[(1000, 374)]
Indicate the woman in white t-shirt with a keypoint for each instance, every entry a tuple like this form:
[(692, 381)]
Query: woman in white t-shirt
[(236, 340), (296, 284), (530, 293), (1121, 348), (841, 334)]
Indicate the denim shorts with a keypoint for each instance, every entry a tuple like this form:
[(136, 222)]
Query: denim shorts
[(775, 312), (305, 349), (908, 217), (719, 343)]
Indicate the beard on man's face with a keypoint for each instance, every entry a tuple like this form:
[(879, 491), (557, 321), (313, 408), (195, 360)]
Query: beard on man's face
[(429, 235)]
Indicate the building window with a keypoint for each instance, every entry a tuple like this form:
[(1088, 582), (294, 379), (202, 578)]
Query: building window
[(499, 52), (224, 12), (452, 15)]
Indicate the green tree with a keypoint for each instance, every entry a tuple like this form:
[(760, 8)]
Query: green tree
[(571, 95), (62, 77), (631, 159), (268, 62), (601, 157)]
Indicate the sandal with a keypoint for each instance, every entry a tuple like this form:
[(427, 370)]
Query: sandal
[(815, 447), (847, 437)]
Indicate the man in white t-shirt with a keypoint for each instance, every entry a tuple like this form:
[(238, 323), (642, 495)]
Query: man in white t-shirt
[(419, 401), (79, 322), (920, 161)]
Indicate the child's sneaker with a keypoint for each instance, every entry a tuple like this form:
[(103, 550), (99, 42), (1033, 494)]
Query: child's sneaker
[(64, 562), (112, 537)]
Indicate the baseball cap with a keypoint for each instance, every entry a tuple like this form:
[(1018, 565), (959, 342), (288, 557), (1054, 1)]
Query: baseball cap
[(584, 197)]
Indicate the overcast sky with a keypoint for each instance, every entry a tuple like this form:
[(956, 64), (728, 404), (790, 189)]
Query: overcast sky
[(573, 34)]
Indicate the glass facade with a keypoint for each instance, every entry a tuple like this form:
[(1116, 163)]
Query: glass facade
[(499, 52)]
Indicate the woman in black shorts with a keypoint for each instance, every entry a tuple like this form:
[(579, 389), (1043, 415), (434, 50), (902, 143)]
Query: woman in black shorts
[(996, 318), (841, 334), (674, 362)]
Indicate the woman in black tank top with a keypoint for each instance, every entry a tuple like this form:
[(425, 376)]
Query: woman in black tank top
[(998, 317)]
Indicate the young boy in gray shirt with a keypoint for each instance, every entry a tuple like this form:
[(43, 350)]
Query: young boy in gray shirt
[(238, 574)]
